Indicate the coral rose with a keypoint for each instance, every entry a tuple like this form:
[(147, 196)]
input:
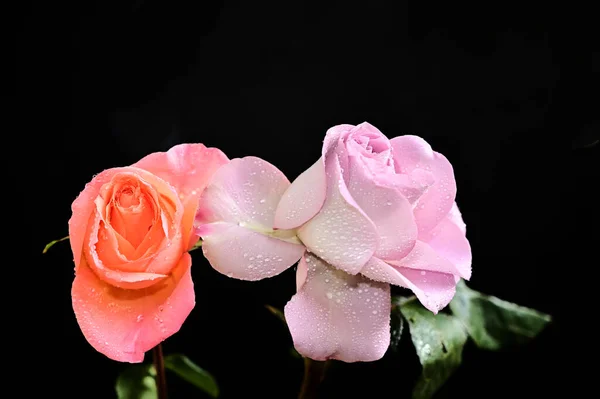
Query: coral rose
[(130, 233)]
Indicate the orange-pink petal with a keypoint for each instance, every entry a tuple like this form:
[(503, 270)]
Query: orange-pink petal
[(188, 168), (123, 324)]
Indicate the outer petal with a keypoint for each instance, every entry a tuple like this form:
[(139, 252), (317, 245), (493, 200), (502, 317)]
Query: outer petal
[(123, 324), (245, 254), (434, 290), (412, 152), (388, 209), (247, 190), (303, 199), (306, 195), (335, 315), (424, 257), (449, 242), (82, 208), (411, 186), (456, 217), (340, 233), (189, 168)]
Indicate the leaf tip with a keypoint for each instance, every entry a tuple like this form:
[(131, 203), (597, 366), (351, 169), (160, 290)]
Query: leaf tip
[(52, 243)]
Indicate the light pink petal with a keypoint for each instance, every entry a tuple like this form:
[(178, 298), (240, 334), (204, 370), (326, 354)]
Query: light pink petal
[(245, 254), (411, 153), (338, 316), (333, 137), (456, 217), (124, 324), (434, 290), (82, 208), (303, 198), (247, 190), (424, 257), (412, 186), (449, 241), (340, 233), (306, 195), (387, 208)]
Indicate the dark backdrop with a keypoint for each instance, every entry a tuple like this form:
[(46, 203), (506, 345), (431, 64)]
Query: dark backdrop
[(506, 93)]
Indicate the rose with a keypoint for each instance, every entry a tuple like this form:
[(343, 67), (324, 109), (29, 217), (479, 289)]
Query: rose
[(370, 212), (373, 208), (130, 232)]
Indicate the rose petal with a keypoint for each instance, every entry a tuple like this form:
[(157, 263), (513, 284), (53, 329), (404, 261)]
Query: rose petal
[(245, 254), (424, 257), (387, 208), (449, 241), (82, 209), (188, 168), (412, 152), (411, 186), (124, 324), (131, 206), (246, 190), (434, 290), (335, 315), (333, 137), (456, 217), (306, 195), (303, 198), (340, 233)]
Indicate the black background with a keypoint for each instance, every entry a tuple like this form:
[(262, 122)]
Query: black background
[(508, 94)]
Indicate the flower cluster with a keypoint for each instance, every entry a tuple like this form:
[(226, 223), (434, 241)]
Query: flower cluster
[(368, 213)]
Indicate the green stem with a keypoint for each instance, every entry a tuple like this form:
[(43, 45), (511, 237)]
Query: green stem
[(314, 373), (159, 365)]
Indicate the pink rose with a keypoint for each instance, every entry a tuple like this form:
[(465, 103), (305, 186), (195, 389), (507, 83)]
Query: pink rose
[(130, 233), (370, 209), (370, 212)]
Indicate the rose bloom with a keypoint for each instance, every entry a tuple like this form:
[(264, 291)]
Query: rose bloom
[(130, 233), (369, 213)]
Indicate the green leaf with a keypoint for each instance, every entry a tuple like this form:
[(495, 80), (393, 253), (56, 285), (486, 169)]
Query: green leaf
[(51, 244), (137, 382), (192, 373), (493, 323), (397, 327), (439, 341)]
